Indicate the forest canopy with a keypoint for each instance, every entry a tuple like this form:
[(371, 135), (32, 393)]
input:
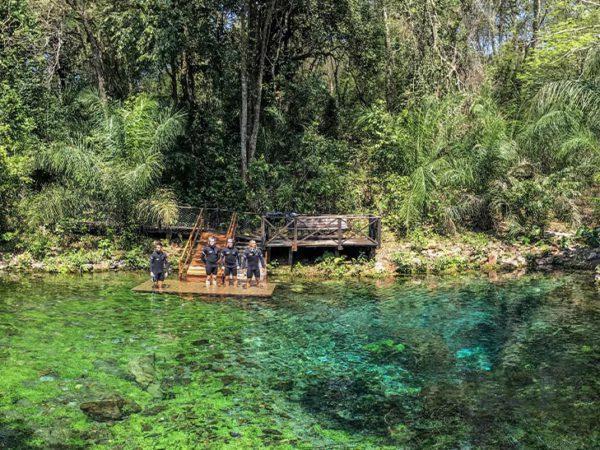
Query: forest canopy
[(479, 114)]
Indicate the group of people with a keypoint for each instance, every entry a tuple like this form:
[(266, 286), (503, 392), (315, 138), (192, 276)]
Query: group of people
[(231, 260), (213, 257)]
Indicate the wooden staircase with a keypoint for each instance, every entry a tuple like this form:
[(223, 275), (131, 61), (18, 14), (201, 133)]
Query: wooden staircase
[(191, 267)]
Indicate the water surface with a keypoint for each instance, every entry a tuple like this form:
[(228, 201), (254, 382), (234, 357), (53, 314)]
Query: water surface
[(436, 363)]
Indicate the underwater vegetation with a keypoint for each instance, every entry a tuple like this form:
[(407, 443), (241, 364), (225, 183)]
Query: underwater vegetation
[(429, 363)]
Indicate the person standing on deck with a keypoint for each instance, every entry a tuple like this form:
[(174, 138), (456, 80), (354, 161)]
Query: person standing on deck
[(230, 258), (253, 262), (158, 265), (211, 254)]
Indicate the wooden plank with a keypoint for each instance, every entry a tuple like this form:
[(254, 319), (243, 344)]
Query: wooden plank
[(200, 288)]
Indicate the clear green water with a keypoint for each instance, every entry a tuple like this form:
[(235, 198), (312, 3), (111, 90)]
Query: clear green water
[(441, 363)]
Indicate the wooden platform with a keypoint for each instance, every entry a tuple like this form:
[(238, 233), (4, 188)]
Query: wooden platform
[(199, 288)]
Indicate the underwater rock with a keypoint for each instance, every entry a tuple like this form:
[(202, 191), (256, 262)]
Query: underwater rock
[(229, 379), (97, 436), (218, 356), (111, 367), (142, 369), (54, 436), (47, 378), (48, 375), (155, 390), (199, 342), (235, 434), (109, 408), (154, 410), (271, 432)]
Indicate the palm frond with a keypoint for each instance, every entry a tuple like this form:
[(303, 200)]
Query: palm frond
[(159, 210), (74, 159)]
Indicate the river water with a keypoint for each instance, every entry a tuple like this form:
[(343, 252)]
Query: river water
[(416, 363)]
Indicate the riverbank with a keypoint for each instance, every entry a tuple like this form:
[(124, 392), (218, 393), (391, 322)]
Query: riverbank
[(419, 253)]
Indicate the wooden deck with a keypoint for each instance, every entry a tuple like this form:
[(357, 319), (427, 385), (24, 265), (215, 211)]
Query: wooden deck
[(199, 288)]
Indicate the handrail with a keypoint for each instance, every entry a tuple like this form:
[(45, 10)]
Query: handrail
[(340, 228), (232, 226), (188, 251)]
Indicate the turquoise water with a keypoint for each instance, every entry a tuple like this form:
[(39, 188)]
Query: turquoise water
[(436, 363)]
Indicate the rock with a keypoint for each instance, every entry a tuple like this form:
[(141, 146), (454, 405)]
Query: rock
[(110, 408), (37, 266), (514, 263), (117, 265), (379, 266), (102, 266), (545, 261), (143, 371)]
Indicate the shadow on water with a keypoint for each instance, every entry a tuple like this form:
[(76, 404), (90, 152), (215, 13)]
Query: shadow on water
[(15, 436)]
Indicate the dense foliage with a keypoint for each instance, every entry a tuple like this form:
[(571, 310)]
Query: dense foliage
[(476, 114)]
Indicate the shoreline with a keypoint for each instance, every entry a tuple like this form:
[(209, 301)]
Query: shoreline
[(434, 255)]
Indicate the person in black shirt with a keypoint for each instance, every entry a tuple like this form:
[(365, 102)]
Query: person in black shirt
[(230, 259), (253, 262), (158, 265), (211, 254)]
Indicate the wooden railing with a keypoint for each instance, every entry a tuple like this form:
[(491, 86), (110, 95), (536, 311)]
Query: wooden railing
[(340, 229), (232, 226), (188, 251)]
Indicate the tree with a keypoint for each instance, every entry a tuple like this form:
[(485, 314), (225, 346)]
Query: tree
[(113, 171)]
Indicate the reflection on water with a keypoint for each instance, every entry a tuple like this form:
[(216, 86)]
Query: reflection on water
[(446, 363)]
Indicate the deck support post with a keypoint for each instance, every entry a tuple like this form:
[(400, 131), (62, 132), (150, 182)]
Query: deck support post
[(291, 257), (339, 234), (295, 242)]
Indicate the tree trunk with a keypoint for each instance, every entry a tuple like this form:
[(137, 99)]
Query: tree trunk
[(97, 57), (535, 22), (259, 79), (190, 84), (244, 107), (389, 62), (173, 76)]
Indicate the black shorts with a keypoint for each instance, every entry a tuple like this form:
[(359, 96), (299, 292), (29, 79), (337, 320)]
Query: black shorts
[(160, 276), (255, 271), (230, 271), (211, 269)]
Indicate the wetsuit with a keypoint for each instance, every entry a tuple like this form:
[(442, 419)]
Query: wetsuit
[(210, 257), (253, 261), (231, 260), (158, 265)]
